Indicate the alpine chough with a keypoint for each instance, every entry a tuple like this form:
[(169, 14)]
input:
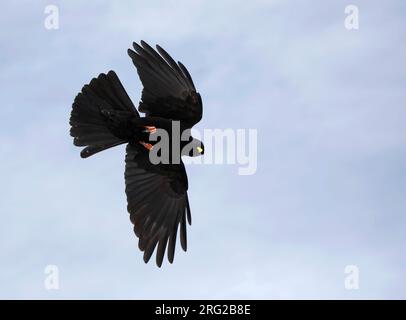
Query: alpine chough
[(103, 116)]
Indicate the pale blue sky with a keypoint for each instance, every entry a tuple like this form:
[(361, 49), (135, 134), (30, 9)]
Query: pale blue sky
[(329, 106)]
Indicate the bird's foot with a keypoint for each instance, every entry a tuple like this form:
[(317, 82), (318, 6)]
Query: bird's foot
[(147, 146), (149, 129)]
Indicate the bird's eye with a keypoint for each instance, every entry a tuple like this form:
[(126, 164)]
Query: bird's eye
[(199, 149)]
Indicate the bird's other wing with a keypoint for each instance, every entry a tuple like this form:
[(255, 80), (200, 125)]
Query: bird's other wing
[(168, 91), (157, 202)]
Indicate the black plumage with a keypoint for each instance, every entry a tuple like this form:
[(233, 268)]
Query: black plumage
[(103, 116)]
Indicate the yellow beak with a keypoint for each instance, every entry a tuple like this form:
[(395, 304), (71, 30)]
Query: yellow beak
[(200, 150)]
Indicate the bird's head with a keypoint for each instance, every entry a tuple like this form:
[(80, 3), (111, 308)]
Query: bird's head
[(193, 148)]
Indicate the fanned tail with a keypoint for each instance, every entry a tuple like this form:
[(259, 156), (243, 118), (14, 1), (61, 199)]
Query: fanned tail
[(93, 113)]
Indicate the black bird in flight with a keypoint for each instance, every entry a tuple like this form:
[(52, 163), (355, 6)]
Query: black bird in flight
[(103, 116)]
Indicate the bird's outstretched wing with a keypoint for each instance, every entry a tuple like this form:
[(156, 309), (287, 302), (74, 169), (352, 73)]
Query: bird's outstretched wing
[(157, 202), (168, 91)]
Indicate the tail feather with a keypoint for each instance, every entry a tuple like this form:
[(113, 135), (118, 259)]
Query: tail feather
[(89, 151), (89, 125)]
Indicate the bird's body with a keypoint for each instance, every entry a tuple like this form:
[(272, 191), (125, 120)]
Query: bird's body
[(103, 116)]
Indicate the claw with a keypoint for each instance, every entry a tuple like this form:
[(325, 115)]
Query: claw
[(147, 146), (150, 129)]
